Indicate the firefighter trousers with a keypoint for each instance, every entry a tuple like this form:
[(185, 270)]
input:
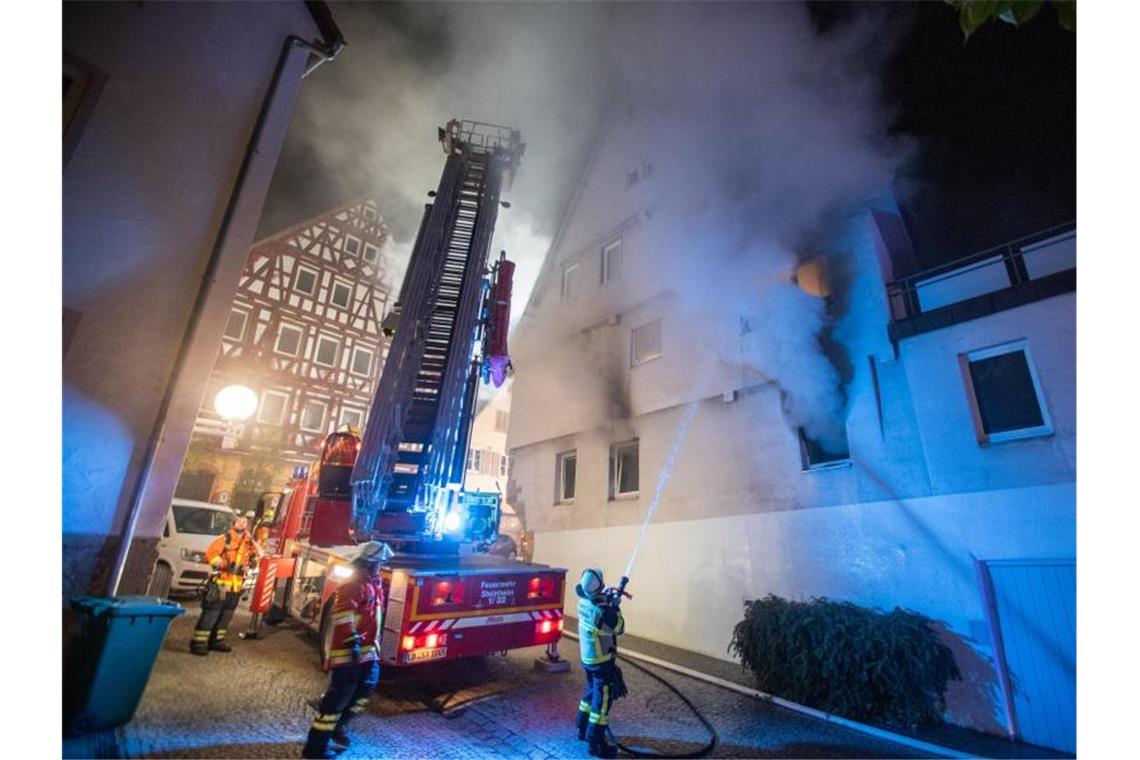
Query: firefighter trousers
[(216, 615), (347, 696), (604, 684)]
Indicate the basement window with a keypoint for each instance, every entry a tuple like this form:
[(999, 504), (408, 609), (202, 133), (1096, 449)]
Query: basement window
[(815, 456), (645, 343), (624, 470), (565, 476), (1004, 394)]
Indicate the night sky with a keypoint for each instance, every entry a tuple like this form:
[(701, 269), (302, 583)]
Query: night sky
[(993, 121)]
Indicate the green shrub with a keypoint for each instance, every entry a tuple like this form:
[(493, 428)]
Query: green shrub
[(848, 660)]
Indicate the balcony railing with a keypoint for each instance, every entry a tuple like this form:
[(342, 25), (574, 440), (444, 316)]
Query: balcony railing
[(1009, 265)]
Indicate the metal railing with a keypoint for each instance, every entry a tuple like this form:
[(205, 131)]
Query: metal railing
[(1003, 266)]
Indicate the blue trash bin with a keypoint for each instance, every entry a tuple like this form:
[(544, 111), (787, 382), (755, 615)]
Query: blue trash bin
[(112, 660)]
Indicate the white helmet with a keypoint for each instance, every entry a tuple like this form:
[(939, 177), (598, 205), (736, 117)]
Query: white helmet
[(372, 551), (592, 583)]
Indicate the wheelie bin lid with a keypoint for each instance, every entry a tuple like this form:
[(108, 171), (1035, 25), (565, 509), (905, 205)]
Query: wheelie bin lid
[(128, 606)]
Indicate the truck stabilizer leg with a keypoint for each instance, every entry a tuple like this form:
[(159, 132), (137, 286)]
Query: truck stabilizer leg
[(551, 661)]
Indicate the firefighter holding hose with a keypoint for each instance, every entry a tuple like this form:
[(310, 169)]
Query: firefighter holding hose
[(230, 555), (599, 624), (354, 660)]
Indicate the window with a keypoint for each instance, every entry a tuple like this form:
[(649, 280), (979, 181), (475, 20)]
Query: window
[(565, 473), (1004, 394), (352, 245), (501, 420), (370, 213), (353, 417), (327, 349), (361, 361), (611, 261), (815, 455), (475, 460), (235, 325), (289, 340), (570, 282), (313, 415), (273, 405), (341, 295), (503, 466), (623, 470), (371, 253), (645, 343), (305, 281)]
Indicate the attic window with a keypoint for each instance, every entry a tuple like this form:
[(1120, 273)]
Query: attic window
[(815, 456)]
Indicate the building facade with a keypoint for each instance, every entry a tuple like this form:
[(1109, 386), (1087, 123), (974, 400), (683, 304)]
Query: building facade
[(175, 115), (488, 464), (941, 477), (304, 334)]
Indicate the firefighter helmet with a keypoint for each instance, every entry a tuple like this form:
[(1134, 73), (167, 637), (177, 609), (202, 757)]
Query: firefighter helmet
[(372, 552), (592, 583)]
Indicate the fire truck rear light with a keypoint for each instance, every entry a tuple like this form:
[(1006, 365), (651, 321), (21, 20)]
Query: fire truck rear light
[(544, 626), (432, 641), (409, 642), (560, 624)]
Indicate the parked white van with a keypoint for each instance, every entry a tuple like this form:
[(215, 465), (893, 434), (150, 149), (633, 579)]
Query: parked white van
[(190, 527)]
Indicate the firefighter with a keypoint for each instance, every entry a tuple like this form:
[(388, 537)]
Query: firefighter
[(354, 660), (599, 624), (230, 555)]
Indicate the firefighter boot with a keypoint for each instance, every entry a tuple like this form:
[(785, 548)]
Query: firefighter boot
[(583, 723), (317, 745), (340, 739), (599, 747), (199, 644)]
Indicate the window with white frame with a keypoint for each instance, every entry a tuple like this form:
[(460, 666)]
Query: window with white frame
[(645, 343), (341, 295), (816, 454), (370, 213), (624, 470), (352, 245), (289, 340), (475, 460), (273, 405), (235, 325), (501, 420), (1004, 393), (611, 261), (503, 466), (327, 349), (371, 253), (305, 281), (313, 416), (565, 476), (570, 281), (353, 417), (362, 361)]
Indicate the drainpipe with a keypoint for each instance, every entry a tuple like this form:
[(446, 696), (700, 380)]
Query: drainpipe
[(323, 50)]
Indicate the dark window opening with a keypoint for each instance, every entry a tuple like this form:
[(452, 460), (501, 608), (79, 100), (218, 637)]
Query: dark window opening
[(816, 455)]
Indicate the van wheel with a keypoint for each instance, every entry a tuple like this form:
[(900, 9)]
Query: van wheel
[(160, 581)]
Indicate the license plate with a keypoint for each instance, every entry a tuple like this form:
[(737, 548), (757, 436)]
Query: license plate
[(422, 655)]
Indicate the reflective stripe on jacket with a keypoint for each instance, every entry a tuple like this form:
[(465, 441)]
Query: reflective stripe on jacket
[(357, 618), (231, 554), (598, 629)]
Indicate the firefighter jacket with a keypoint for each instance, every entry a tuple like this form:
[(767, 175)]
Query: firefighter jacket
[(599, 625), (357, 620), (231, 555)]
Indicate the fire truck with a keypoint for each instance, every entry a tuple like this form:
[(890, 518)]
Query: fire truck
[(402, 483)]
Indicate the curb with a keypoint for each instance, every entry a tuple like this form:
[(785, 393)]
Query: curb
[(862, 728)]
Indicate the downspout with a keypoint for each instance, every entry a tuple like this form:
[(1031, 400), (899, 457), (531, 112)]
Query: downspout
[(324, 51)]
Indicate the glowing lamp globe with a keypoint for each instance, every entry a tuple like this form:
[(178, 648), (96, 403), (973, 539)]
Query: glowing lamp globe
[(235, 402)]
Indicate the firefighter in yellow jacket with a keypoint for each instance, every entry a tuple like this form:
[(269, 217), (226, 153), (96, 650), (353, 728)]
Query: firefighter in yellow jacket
[(599, 624), (230, 556)]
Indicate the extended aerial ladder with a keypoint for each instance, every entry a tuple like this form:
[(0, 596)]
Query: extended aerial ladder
[(407, 477)]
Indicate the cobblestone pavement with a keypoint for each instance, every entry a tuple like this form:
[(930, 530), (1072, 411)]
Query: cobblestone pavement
[(253, 703)]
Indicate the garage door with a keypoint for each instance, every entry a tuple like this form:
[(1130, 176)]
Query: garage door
[(1035, 603)]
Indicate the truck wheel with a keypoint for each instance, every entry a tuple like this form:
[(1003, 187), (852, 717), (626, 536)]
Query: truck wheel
[(160, 581)]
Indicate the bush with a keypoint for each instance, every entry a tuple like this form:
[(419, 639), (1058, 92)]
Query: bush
[(844, 659)]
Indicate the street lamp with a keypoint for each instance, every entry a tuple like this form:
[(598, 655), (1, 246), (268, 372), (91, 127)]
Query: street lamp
[(235, 403)]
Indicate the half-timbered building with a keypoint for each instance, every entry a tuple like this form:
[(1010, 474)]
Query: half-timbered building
[(304, 334)]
